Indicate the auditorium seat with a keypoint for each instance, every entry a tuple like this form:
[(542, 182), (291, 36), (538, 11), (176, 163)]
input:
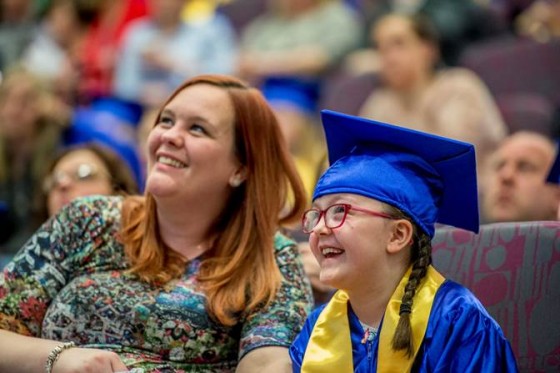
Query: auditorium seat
[(514, 269), (517, 66), (347, 93)]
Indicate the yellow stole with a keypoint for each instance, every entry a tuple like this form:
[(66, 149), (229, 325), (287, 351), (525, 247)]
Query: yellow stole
[(330, 348)]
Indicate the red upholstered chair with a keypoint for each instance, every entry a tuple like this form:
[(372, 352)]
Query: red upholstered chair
[(514, 269)]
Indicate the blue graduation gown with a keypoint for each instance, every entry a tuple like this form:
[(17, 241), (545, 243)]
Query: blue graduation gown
[(461, 337)]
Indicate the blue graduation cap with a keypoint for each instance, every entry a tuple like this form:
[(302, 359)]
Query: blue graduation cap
[(430, 178), (554, 173)]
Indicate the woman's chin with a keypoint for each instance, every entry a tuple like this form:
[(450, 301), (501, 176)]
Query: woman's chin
[(159, 188)]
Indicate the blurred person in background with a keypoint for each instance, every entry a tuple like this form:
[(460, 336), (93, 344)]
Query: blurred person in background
[(161, 50), (97, 56), (17, 27), (297, 38), (450, 102), (459, 23), (31, 124), (514, 186), (293, 45), (83, 170), (52, 54)]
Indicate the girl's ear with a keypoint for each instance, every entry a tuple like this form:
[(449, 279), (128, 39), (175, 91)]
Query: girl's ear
[(401, 237)]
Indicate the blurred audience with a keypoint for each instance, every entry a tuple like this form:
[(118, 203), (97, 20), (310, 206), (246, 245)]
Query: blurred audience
[(288, 49), (17, 25), (451, 102), (31, 123), (459, 22), (83, 170), (160, 51), (52, 52), (514, 187), (99, 50)]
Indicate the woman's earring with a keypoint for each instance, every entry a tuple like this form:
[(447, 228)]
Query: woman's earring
[(235, 182)]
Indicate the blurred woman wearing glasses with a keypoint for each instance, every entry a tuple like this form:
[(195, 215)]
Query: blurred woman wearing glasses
[(84, 170), (370, 228), (191, 277)]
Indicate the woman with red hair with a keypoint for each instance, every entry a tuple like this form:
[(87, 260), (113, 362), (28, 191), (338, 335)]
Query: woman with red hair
[(193, 276)]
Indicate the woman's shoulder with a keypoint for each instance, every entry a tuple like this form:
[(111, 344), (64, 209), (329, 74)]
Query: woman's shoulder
[(282, 242), (106, 209), (285, 251), (459, 77)]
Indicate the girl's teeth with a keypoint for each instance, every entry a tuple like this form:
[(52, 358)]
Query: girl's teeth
[(331, 251)]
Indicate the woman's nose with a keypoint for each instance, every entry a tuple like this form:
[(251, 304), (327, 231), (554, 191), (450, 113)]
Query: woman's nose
[(173, 136)]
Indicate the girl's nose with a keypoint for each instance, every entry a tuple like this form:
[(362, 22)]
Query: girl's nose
[(321, 228)]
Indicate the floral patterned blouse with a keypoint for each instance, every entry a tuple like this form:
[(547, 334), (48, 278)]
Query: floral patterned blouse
[(68, 284)]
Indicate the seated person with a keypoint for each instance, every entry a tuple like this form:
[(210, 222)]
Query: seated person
[(450, 102), (370, 228), (192, 276), (514, 186), (84, 170), (294, 44), (161, 50)]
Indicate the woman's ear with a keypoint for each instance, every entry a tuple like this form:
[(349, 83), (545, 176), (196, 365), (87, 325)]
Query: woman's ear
[(238, 177), (401, 237)]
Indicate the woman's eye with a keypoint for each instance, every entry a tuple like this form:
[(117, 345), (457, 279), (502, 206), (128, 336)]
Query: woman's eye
[(165, 121), (198, 129)]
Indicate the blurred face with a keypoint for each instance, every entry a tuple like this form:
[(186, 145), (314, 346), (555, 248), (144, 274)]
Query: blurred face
[(191, 148), (405, 58), (79, 173), (63, 22), (515, 181), (357, 247), (19, 111)]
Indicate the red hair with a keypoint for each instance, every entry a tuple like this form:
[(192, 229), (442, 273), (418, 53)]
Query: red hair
[(240, 273)]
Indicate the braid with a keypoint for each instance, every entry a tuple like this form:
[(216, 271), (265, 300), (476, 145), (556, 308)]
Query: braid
[(402, 340), (421, 258)]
